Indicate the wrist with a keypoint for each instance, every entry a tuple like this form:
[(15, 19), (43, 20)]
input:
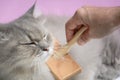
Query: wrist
[(115, 16)]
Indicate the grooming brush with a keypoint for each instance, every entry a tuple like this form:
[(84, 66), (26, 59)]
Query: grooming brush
[(61, 64)]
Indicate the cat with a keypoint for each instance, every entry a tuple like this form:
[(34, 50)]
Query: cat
[(26, 44)]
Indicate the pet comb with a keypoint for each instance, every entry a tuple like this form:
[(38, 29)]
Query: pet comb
[(64, 66)]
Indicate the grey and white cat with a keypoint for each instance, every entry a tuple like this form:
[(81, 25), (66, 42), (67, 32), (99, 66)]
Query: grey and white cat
[(25, 45)]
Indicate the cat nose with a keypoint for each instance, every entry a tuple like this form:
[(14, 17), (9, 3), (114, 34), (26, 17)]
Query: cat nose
[(45, 49), (44, 46)]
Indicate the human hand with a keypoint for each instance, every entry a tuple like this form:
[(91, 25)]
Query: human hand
[(99, 20)]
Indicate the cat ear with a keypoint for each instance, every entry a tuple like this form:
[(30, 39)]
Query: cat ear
[(4, 37), (34, 11), (37, 12), (31, 10)]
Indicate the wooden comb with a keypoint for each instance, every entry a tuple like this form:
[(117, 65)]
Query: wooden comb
[(64, 66)]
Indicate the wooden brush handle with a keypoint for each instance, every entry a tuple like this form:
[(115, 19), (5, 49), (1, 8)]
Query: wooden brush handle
[(75, 38), (65, 49)]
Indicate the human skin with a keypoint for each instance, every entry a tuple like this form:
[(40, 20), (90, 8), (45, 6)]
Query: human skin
[(100, 21)]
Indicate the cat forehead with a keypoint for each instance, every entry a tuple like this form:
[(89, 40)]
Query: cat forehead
[(34, 32)]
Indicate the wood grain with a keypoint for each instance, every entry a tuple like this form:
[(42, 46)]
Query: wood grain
[(63, 68)]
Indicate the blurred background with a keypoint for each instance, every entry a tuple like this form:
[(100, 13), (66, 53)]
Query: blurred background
[(12, 9)]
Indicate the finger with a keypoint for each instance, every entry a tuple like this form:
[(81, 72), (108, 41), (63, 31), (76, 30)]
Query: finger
[(72, 26), (81, 42), (74, 20), (69, 27), (69, 33), (84, 38)]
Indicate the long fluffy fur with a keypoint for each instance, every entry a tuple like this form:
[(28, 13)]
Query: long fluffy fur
[(99, 58)]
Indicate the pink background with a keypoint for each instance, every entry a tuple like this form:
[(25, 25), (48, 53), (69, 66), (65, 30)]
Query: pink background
[(12, 9)]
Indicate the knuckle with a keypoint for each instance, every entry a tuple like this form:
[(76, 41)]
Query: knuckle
[(78, 11), (67, 24)]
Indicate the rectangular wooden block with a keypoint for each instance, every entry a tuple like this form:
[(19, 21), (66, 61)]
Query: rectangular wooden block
[(63, 68)]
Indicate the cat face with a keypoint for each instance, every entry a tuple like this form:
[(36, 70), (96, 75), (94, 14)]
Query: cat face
[(24, 39)]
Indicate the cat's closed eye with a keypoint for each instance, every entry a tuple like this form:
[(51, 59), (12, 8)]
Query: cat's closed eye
[(32, 43)]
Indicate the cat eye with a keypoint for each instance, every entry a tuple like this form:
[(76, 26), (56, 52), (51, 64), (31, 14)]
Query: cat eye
[(34, 44), (31, 43)]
